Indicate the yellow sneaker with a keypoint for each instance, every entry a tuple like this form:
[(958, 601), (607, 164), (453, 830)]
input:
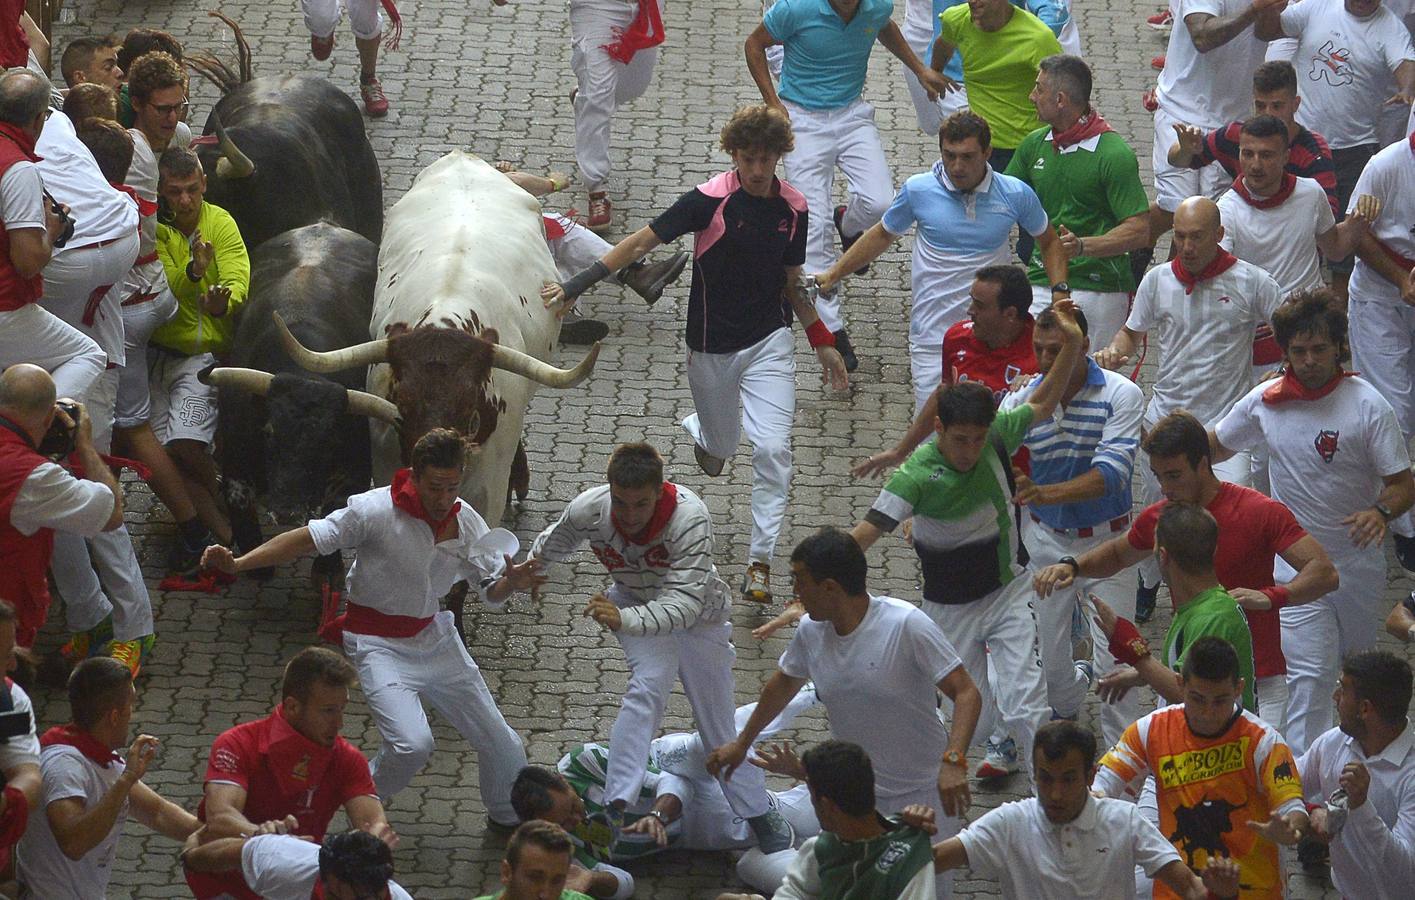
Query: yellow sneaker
[(756, 584), (83, 644), (133, 653)]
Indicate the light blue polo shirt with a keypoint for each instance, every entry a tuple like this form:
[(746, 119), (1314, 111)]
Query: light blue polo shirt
[(825, 59), (959, 223)]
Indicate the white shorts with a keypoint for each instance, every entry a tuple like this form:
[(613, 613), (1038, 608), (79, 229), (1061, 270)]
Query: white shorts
[(141, 317), (183, 409), (1174, 185)]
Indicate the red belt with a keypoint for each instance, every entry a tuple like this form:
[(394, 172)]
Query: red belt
[(139, 299), (1120, 523), (366, 620), (1396, 257), (97, 244), (144, 260)]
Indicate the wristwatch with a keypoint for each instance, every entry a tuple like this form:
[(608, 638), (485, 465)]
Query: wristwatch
[(1061, 287), (955, 758), (658, 814), (1384, 511), (1070, 561)]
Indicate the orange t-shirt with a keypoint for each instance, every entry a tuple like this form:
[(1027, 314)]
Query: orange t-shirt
[(1209, 789)]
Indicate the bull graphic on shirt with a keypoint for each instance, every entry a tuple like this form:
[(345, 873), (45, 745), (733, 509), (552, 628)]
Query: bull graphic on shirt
[(1332, 66), (1202, 827), (1326, 444), (1283, 771)]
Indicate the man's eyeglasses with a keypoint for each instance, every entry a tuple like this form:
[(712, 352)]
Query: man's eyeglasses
[(169, 108)]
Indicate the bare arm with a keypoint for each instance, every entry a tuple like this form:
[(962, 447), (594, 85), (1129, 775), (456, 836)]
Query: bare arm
[(1404, 84), (1400, 624), (1372, 255), (632, 249), (777, 692), (757, 42), (1342, 240), (864, 251), (225, 811), (1129, 234), (949, 854), (1053, 255), (942, 53), (366, 814), (281, 549), (1316, 576), (1115, 555), (161, 815), (893, 40), (30, 250), (1048, 393), (1211, 32), (967, 707), (1089, 485), (1217, 450), (865, 534), (213, 855), (1164, 681), (1120, 351)]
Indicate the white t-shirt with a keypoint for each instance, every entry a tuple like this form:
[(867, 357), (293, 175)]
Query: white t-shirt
[(1205, 338), (1092, 856), (1390, 178), (22, 750), (1282, 239), (100, 211), (44, 869), (1327, 455), (22, 197), (879, 686), (283, 867), (1208, 89), (1344, 67), (52, 498)]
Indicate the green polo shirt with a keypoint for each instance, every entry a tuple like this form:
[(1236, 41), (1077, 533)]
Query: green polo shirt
[(1215, 613)]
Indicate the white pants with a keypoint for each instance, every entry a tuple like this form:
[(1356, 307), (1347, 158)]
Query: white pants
[(825, 139), (141, 317), (577, 249), (398, 674), (79, 288), (604, 82), (1105, 312), (322, 16), (948, 826), (701, 658), (928, 113), (1236, 469), (1383, 350), (182, 407), (755, 387), (1173, 184), (926, 370), (1001, 627), (1067, 687), (33, 334), (1316, 636), (1270, 691)]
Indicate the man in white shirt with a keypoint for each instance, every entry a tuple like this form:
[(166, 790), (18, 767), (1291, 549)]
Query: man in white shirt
[(415, 539), (1067, 843), (1370, 757), (89, 789), (892, 713), (288, 867), (670, 611), (1339, 462)]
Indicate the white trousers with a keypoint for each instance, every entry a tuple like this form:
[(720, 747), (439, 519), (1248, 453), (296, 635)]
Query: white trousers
[(398, 674), (140, 319), (322, 17), (701, 658), (79, 284), (1271, 693), (1316, 636), (948, 826), (1236, 469), (1067, 687), (1383, 351), (33, 334), (604, 82), (1105, 312), (577, 249), (1174, 184), (925, 369), (751, 390), (826, 139), (1001, 627), (928, 113)]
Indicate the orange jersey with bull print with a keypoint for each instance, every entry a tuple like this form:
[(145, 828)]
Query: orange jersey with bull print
[(1208, 789)]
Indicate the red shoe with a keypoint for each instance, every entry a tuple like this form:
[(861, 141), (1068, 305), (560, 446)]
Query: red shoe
[(1158, 62), (1162, 20), (321, 47), (1149, 101), (601, 212), (375, 104)]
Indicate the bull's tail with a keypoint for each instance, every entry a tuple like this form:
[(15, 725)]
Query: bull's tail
[(215, 69)]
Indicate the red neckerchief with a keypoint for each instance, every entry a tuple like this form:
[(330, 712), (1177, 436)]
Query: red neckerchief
[(406, 498), (1221, 263), (1289, 388), (1092, 124), (145, 207), (1284, 190), (21, 140), (297, 762), (71, 735), (1412, 142), (662, 512), (644, 32)]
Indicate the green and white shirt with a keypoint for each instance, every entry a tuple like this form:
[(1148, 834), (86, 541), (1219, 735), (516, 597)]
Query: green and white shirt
[(897, 865), (585, 767)]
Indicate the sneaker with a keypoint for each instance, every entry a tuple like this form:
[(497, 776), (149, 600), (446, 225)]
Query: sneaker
[(321, 47), (1162, 20), (601, 213), (1157, 63), (756, 584), (133, 653), (649, 279), (1082, 646), (847, 242), (1000, 760), (1145, 602), (712, 465), (1086, 668), (1405, 551), (83, 644), (375, 103), (1149, 101), (580, 331), (846, 350), (772, 831)]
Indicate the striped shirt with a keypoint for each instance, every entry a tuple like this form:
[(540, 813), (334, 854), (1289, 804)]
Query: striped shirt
[(586, 768), (1098, 429), (1308, 156), (669, 580)]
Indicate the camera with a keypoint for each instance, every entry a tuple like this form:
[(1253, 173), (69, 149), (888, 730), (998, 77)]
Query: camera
[(60, 439), (58, 210)]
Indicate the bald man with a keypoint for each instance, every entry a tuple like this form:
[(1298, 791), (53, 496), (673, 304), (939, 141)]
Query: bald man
[(38, 497), (1204, 305)]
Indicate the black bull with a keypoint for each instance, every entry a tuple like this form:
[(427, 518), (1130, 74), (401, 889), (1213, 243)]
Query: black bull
[(309, 160), (293, 442)]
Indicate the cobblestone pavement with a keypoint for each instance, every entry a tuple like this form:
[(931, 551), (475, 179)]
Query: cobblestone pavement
[(481, 78)]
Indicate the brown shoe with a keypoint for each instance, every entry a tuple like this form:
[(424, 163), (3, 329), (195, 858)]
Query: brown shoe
[(756, 584), (649, 279)]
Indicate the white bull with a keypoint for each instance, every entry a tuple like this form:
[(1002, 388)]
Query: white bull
[(461, 337)]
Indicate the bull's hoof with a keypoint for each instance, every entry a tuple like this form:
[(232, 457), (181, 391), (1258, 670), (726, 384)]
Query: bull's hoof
[(582, 332)]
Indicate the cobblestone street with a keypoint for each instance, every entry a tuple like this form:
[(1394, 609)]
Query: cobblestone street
[(495, 80)]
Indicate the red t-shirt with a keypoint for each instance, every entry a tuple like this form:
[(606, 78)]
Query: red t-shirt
[(965, 358), (1252, 529), (284, 773)]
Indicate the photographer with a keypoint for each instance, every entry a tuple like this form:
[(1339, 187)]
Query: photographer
[(37, 496), (32, 226), (19, 747)]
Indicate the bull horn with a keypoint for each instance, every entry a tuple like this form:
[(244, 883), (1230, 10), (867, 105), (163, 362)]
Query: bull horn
[(233, 163), (542, 372), (252, 381), (363, 403), (325, 362)]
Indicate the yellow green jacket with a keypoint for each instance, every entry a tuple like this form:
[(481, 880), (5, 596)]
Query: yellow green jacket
[(192, 331)]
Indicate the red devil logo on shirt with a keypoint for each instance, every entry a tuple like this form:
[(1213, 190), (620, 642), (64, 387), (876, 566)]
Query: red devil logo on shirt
[(1326, 444), (609, 557)]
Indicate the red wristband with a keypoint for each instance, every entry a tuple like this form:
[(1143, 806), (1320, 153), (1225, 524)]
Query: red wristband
[(1126, 644), (819, 335), (1278, 594)]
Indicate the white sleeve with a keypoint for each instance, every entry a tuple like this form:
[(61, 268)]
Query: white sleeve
[(988, 841), (1397, 45), (22, 197), (24, 749), (1142, 312), (802, 881), (52, 498), (1389, 454), (1239, 429), (1267, 297), (560, 540), (795, 660), (933, 654), (280, 866), (64, 779), (1294, 19), (343, 529), (1152, 851), (623, 881), (1394, 847), (1324, 219)]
